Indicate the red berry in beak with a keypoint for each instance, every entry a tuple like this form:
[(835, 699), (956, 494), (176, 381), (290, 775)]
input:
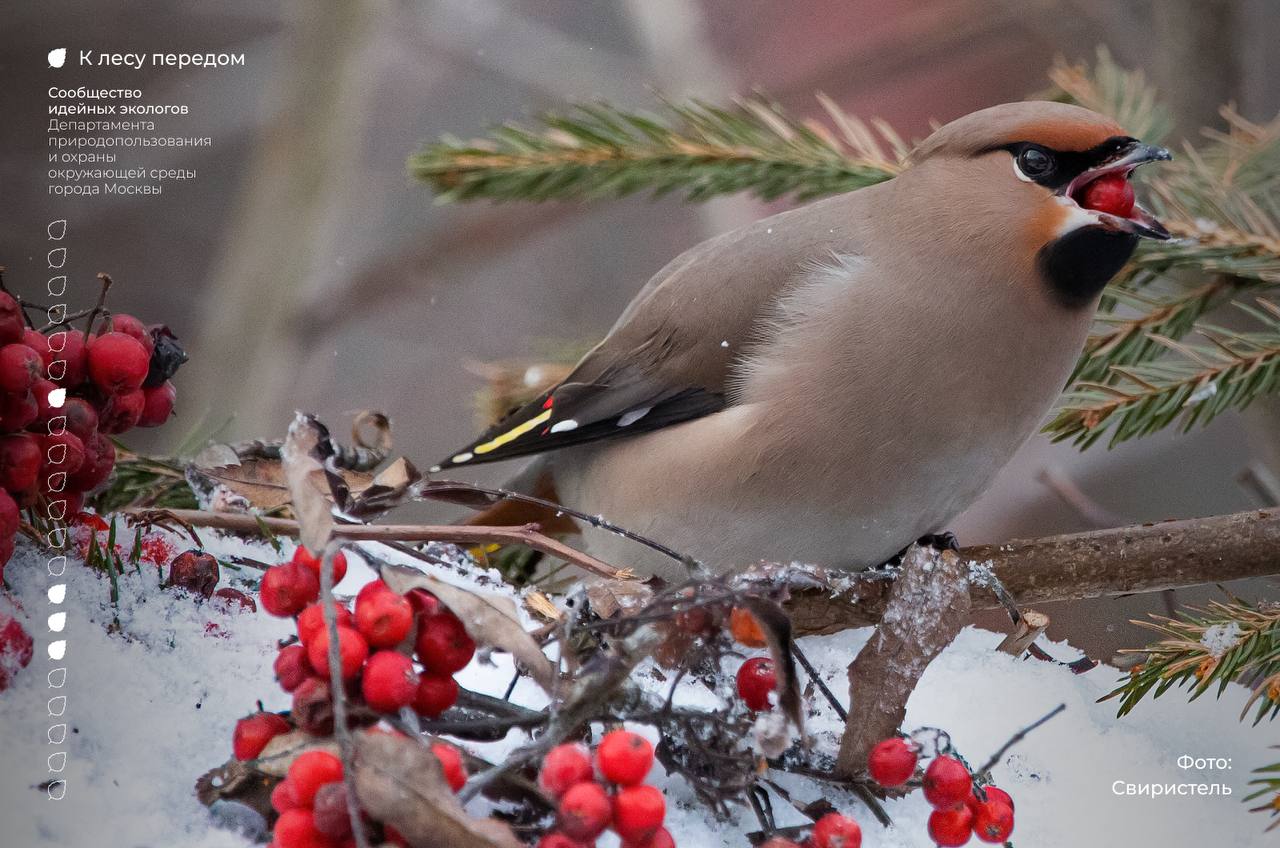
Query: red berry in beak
[(1110, 193)]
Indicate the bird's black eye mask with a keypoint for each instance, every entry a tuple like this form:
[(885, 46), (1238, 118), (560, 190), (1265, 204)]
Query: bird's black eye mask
[(1056, 169)]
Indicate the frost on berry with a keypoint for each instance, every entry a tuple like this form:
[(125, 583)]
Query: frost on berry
[(836, 831)]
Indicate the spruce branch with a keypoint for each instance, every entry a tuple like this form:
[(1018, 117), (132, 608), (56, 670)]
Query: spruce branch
[(1268, 783), (1222, 201), (596, 151), (1209, 648), (1126, 339), (1109, 89), (1194, 385)]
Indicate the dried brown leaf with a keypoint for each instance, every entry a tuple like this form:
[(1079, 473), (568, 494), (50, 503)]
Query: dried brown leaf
[(540, 605), (236, 781), (282, 750), (400, 474), (399, 781), (261, 481), (776, 625), (609, 598), (371, 429), (490, 619), (304, 449)]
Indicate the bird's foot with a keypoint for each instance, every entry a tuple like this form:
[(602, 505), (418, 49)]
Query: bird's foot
[(944, 541)]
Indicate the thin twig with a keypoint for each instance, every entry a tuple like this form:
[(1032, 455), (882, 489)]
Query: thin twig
[(819, 682), (67, 319), (526, 534), (596, 521), (97, 307), (1018, 737), (343, 733)]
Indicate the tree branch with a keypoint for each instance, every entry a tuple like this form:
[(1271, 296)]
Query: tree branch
[(1098, 563), (928, 604)]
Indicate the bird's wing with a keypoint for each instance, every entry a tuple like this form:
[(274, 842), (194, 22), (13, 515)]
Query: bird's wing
[(670, 356)]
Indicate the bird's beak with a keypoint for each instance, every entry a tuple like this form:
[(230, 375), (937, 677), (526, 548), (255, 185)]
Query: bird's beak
[(1139, 222)]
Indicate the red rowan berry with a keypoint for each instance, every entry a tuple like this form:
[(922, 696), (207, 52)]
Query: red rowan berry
[(756, 680), (638, 812), (309, 771), (564, 766), (836, 831), (253, 732), (389, 681), (950, 827), (624, 757), (947, 783), (443, 645), (585, 811), (455, 772), (892, 762)]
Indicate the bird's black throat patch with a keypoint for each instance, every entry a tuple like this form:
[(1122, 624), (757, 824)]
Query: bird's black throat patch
[(1078, 265)]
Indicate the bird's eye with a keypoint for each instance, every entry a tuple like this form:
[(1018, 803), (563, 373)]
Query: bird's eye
[(1035, 163)]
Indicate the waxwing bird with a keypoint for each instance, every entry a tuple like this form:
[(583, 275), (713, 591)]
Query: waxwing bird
[(831, 383)]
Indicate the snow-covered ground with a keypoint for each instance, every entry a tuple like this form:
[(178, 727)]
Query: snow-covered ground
[(151, 706)]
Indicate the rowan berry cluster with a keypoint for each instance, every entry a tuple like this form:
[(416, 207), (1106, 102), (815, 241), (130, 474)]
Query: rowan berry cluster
[(63, 393), (833, 830), (609, 794), (374, 642), (311, 802), (961, 810), (396, 651)]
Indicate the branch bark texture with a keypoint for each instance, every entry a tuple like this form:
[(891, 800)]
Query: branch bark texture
[(1098, 563), (927, 605)]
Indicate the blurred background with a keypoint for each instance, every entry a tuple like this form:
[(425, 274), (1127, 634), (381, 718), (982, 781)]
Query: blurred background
[(304, 269)]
